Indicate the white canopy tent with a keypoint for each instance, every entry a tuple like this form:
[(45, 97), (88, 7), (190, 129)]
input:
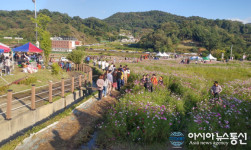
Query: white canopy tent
[(159, 54), (165, 54), (210, 57)]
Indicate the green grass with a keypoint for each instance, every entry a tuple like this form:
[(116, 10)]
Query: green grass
[(43, 76)]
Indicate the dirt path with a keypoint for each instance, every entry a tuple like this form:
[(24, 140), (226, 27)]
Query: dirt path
[(71, 131)]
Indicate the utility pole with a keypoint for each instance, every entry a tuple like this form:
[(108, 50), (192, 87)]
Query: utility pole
[(34, 1), (231, 51)]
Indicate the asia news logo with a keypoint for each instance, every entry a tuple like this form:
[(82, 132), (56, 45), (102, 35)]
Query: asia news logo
[(177, 139)]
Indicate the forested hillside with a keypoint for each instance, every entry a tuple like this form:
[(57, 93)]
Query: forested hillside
[(158, 31), (18, 23)]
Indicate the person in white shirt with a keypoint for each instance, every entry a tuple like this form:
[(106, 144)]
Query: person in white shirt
[(105, 86), (106, 65), (110, 82), (103, 65), (111, 67), (7, 65)]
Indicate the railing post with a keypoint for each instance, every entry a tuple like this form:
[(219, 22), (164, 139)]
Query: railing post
[(33, 94), (77, 67), (50, 91), (9, 104), (62, 87), (72, 84), (80, 81)]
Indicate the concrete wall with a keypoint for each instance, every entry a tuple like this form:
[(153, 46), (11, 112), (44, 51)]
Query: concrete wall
[(30, 118)]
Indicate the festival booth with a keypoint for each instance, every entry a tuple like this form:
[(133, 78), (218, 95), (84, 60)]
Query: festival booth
[(29, 48), (159, 54), (210, 57), (165, 55), (5, 48), (195, 58)]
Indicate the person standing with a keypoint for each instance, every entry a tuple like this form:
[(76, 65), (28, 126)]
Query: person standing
[(110, 82), (216, 90), (99, 64), (94, 62), (160, 82), (103, 65), (154, 80), (69, 66), (148, 85), (119, 75), (100, 84), (105, 86), (143, 80), (7, 65), (125, 75), (106, 65), (114, 77), (128, 73)]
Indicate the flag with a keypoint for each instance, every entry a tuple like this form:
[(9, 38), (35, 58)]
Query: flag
[(33, 1)]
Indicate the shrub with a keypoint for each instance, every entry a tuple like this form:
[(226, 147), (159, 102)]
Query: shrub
[(28, 81), (56, 69), (76, 56), (3, 89)]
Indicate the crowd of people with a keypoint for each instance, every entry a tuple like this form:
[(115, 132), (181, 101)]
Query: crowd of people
[(67, 66), (150, 83), (112, 79)]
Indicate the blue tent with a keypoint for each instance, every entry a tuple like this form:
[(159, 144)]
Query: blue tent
[(27, 48), (1, 50)]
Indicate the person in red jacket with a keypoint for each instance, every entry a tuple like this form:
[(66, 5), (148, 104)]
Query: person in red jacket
[(154, 80)]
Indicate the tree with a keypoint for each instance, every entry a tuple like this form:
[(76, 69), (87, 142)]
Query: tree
[(44, 35), (76, 56)]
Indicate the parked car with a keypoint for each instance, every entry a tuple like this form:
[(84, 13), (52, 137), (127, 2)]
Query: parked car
[(64, 59)]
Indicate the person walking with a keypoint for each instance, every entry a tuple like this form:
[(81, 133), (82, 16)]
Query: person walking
[(70, 66), (103, 65), (110, 82), (100, 84), (99, 64), (216, 90), (119, 75), (7, 65), (125, 75), (94, 62), (114, 77), (105, 86)]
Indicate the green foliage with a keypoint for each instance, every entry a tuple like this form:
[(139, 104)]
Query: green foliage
[(3, 89), (44, 35), (76, 56), (56, 69), (28, 81)]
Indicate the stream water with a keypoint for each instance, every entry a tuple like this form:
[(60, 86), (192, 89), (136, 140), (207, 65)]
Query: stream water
[(91, 144)]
